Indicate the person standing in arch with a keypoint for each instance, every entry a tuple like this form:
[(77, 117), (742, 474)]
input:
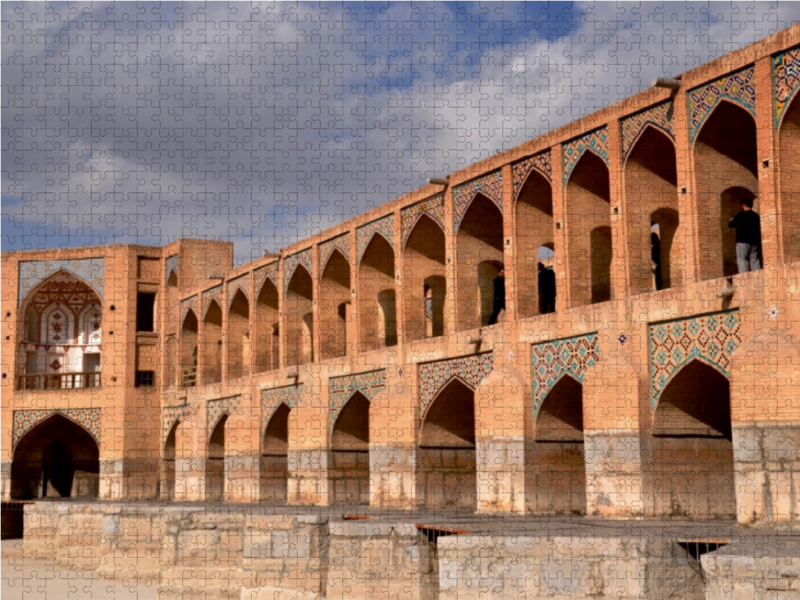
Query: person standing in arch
[(547, 289), (499, 295), (748, 237), (655, 255)]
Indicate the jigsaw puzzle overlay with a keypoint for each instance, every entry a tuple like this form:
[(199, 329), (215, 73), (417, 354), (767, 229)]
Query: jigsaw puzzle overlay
[(452, 300)]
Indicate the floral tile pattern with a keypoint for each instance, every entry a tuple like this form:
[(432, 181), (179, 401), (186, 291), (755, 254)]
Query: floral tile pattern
[(217, 408), (785, 80), (434, 376), (214, 293), (190, 304), (261, 274), (33, 272), (522, 169), (364, 234), (304, 258), (490, 185), (433, 207), (169, 415), (341, 389), (173, 265), (240, 283), (739, 88), (659, 116), (272, 398), (595, 141), (25, 420), (552, 360), (673, 344), (341, 243)]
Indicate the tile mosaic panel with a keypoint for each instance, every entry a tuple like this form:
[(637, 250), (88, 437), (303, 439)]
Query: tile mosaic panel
[(187, 304), (341, 243), (341, 389), (490, 185), (785, 80), (173, 264), (434, 376), (261, 274), (217, 408), (272, 398), (304, 258), (170, 414), (384, 227), (214, 293), (433, 207), (32, 272), (595, 141), (522, 169), (659, 116), (673, 344), (25, 420), (739, 88), (552, 360), (240, 283)]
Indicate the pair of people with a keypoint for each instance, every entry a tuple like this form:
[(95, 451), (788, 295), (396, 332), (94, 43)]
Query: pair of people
[(547, 292)]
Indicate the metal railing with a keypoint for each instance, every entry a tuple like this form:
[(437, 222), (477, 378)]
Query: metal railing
[(189, 377), (59, 381)]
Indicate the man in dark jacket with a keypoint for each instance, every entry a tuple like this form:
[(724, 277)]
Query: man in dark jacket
[(547, 290), (499, 295), (748, 237)]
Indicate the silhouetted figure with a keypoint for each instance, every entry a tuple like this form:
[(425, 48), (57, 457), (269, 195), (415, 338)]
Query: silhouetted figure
[(499, 295), (655, 256), (748, 237), (547, 290)]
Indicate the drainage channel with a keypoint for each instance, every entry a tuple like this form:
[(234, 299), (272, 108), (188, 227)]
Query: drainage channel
[(697, 547)]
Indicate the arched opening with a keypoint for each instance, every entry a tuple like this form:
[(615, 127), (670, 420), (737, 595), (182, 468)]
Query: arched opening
[(215, 462), (690, 471), (480, 252), (534, 230), (239, 336), (334, 295), (556, 470), (274, 468), (267, 318), (212, 344), (725, 157), (61, 325), (56, 459), (651, 207), (589, 222), (424, 283), (189, 350), (299, 318), (173, 300), (447, 456), (171, 351), (730, 204), (349, 465), (377, 305), (168, 465), (789, 149)]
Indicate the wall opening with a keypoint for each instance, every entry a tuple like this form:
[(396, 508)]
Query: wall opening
[(690, 471), (377, 304), (480, 249), (56, 459), (212, 344), (589, 231), (789, 152), (299, 318), (349, 464), (167, 491), (725, 157), (189, 350), (334, 294), (215, 462), (447, 455), (274, 468), (555, 469), (731, 204), (239, 336), (651, 207), (145, 311), (171, 356), (534, 229), (267, 318), (424, 281)]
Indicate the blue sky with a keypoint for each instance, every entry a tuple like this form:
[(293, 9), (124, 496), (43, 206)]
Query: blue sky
[(264, 123)]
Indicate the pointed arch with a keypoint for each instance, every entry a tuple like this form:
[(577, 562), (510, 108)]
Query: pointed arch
[(266, 319), (212, 344), (189, 349), (377, 296), (168, 454), (350, 452), (274, 467), (479, 249), (334, 305), (239, 336), (725, 157), (62, 273), (299, 312), (425, 282), (215, 460), (534, 228), (789, 202)]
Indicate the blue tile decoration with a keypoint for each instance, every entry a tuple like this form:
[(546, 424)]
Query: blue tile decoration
[(170, 414), (365, 233), (340, 243), (739, 88), (785, 81), (33, 272), (240, 283), (173, 265), (550, 361), (25, 420), (433, 207), (595, 141), (191, 303), (711, 338), (208, 295), (490, 185), (434, 376), (261, 274), (304, 258), (341, 389), (272, 398), (218, 408), (522, 169), (658, 117)]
